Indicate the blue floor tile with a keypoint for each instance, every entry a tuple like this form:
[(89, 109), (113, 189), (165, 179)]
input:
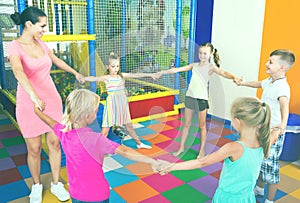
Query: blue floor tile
[(119, 177), (8, 191), (233, 137), (114, 197), (122, 160), (24, 170), (144, 131), (147, 123)]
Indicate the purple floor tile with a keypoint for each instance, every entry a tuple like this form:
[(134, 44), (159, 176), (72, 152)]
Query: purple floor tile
[(6, 163), (9, 134), (17, 150), (212, 168), (210, 135), (209, 148), (169, 157), (206, 185)]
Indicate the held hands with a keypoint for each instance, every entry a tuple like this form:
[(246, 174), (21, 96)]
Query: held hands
[(80, 78), (157, 75), (238, 81), (38, 103), (162, 167)]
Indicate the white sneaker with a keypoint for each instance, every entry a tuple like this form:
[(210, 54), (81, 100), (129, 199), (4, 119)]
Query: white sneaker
[(143, 146), (60, 192), (258, 191), (36, 193)]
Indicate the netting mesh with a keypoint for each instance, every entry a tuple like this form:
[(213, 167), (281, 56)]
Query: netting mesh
[(144, 37), (142, 32), (9, 32)]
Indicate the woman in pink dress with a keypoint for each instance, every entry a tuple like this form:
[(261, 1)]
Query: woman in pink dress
[(31, 61)]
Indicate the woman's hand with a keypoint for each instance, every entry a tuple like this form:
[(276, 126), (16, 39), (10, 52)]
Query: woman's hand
[(37, 102), (80, 78)]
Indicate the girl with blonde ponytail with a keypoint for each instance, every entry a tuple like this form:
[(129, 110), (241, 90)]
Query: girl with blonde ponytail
[(243, 158)]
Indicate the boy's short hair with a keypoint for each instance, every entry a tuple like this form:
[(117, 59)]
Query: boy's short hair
[(286, 56)]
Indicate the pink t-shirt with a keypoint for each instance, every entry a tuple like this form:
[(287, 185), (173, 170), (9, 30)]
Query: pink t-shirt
[(85, 152)]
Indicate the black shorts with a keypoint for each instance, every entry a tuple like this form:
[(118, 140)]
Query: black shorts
[(196, 104)]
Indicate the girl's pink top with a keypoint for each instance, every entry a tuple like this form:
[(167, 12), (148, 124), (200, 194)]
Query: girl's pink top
[(85, 152)]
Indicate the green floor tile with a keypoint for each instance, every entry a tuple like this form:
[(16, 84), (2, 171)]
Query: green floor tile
[(13, 141), (189, 154), (3, 153), (190, 141), (189, 175), (185, 193), (192, 130)]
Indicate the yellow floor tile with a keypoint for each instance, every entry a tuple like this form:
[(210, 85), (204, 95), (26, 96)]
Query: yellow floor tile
[(288, 184), (288, 199), (48, 197), (296, 194), (291, 170)]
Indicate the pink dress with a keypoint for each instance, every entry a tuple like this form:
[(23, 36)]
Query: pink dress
[(38, 73)]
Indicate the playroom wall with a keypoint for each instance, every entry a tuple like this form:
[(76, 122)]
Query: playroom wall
[(281, 30), (237, 34)]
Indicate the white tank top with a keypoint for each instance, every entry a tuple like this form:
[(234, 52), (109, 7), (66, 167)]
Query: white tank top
[(198, 87)]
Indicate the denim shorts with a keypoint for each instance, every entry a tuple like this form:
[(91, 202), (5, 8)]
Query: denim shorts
[(269, 171), (78, 201), (196, 104)]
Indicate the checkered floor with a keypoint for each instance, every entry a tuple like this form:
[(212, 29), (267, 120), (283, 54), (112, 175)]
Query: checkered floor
[(134, 182)]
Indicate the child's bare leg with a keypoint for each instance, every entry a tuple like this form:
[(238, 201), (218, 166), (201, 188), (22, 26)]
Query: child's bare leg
[(272, 191), (203, 132), (132, 133), (105, 131), (188, 115)]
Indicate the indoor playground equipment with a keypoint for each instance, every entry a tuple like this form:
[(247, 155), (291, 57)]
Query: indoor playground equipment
[(149, 35)]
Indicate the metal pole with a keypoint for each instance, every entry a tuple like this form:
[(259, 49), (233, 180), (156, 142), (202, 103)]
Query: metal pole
[(193, 11), (177, 45), (21, 8), (123, 58), (92, 43)]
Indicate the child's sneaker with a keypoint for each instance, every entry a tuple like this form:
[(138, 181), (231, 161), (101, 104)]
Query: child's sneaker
[(258, 191), (143, 146), (119, 133), (60, 192), (36, 193)]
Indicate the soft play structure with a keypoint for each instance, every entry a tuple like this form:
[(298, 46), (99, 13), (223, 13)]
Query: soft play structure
[(149, 35)]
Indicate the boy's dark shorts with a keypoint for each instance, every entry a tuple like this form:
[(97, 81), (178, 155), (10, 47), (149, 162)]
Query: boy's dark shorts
[(196, 104)]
